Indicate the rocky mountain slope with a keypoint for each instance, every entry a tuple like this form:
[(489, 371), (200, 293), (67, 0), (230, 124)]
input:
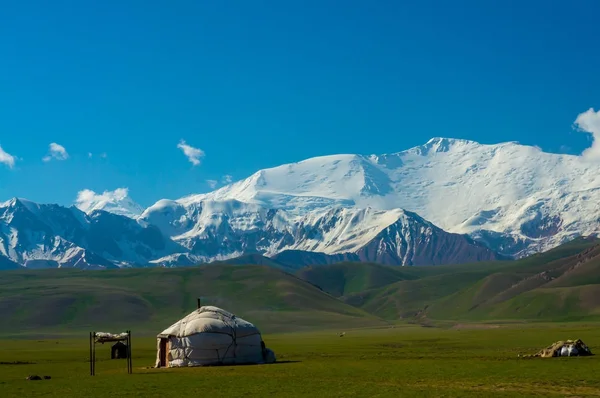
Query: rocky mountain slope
[(51, 236), (173, 234)]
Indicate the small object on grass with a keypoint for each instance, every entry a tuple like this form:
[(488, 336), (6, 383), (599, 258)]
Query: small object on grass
[(568, 348), (33, 377)]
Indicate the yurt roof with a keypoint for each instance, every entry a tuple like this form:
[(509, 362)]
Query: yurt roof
[(210, 319)]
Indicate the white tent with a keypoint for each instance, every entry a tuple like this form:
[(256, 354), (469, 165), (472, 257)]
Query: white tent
[(211, 336)]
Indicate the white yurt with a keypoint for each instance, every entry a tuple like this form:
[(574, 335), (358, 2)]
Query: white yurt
[(211, 336)]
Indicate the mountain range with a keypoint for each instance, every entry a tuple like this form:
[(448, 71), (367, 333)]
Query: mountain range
[(445, 202)]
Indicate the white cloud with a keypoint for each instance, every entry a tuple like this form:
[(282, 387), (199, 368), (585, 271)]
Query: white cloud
[(57, 152), (193, 154), (87, 196), (227, 179), (102, 155), (7, 159), (589, 122)]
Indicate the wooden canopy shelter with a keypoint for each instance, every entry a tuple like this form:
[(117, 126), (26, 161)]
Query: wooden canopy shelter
[(101, 337)]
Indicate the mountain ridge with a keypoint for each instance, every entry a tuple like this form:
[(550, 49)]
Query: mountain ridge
[(528, 199), (509, 199), (45, 236)]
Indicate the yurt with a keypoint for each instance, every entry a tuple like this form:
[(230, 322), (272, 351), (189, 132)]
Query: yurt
[(211, 336)]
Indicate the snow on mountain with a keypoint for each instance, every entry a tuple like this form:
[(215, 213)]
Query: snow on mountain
[(173, 233), (386, 237), (535, 200), (300, 187), (52, 236), (117, 202), (447, 201), (39, 235), (214, 230), (218, 230)]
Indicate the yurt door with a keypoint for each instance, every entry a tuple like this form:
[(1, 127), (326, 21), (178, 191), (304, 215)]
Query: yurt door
[(164, 346)]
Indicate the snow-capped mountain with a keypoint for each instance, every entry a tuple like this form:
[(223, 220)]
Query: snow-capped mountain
[(171, 233), (515, 198), (217, 230), (447, 201), (51, 236)]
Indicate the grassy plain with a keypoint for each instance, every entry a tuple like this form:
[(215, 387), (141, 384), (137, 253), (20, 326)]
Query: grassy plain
[(512, 308), (479, 360)]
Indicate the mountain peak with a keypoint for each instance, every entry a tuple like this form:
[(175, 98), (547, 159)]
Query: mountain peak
[(117, 202), (441, 144), (20, 202), (8, 203)]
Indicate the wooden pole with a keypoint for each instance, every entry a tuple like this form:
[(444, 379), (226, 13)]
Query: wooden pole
[(93, 353), (198, 302), (91, 370), (129, 354)]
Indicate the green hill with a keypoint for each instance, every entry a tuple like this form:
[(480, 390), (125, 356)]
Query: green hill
[(150, 300), (347, 278), (559, 284), (562, 284)]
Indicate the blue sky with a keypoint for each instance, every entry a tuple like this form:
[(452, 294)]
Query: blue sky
[(255, 84)]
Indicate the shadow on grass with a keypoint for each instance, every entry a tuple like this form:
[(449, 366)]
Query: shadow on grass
[(223, 366), (17, 363), (282, 362)]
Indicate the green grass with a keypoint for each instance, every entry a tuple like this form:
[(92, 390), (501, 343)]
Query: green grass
[(401, 361), (348, 278), (484, 316)]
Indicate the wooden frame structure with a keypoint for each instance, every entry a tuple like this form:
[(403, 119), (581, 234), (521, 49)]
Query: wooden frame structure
[(102, 338)]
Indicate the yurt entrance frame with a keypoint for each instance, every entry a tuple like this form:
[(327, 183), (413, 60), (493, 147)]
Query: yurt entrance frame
[(165, 346), (94, 339)]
